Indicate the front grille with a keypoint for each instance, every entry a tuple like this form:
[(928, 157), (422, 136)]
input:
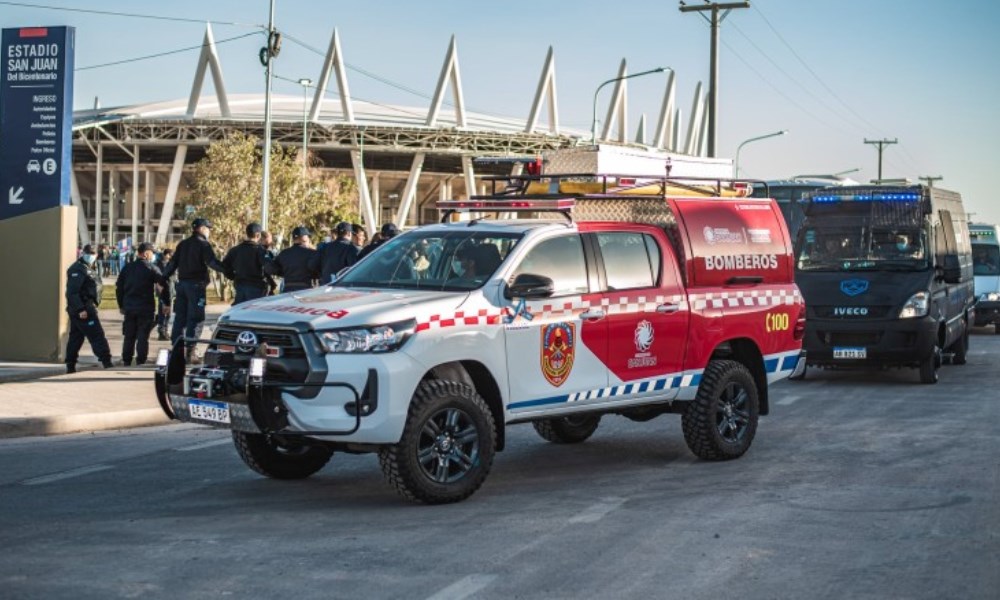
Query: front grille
[(850, 338), (287, 341), (830, 312)]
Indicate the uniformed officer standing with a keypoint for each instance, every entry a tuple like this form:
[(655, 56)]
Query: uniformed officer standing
[(163, 297), (298, 264), (244, 265), (337, 254), (388, 231), (83, 295), (192, 259), (135, 290)]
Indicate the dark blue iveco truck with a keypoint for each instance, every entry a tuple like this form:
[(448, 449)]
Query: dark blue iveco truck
[(886, 273)]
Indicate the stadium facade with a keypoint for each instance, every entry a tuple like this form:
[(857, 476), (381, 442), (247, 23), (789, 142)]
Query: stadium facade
[(132, 164)]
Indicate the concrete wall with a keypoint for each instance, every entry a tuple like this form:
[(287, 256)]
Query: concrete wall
[(37, 249)]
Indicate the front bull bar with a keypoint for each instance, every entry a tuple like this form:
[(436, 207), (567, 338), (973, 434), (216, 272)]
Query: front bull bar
[(267, 409)]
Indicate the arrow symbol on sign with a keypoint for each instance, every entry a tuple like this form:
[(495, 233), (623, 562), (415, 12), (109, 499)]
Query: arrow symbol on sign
[(15, 197)]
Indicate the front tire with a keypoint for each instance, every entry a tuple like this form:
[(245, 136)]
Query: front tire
[(720, 423), (447, 447), (930, 365), (568, 430), (278, 459)]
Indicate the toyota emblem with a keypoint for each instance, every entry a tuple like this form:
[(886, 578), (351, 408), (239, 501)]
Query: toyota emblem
[(246, 341)]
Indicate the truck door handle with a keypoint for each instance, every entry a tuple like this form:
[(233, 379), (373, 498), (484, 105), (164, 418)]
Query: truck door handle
[(595, 314), (666, 309)]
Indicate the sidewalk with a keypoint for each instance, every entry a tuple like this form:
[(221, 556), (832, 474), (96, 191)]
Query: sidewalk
[(41, 399)]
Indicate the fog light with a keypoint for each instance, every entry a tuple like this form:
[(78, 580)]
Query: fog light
[(162, 357), (257, 366)]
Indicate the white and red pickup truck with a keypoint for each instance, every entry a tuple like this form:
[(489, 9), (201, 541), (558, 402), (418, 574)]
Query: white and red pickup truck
[(631, 302)]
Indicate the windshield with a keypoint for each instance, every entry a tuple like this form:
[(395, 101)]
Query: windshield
[(449, 261), (985, 259), (861, 247)]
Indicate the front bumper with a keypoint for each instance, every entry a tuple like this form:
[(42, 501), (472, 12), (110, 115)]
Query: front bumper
[(987, 313), (901, 342)]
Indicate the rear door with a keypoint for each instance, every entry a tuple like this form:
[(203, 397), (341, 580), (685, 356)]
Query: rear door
[(646, 306)]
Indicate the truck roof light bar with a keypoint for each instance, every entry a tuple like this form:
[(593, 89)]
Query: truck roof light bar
[(489, 204), (868, 197)]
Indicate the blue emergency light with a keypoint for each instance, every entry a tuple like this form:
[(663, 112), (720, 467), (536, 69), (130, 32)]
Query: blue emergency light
[(869, 197)]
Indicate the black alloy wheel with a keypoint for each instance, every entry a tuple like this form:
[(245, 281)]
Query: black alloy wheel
[(448, 446)]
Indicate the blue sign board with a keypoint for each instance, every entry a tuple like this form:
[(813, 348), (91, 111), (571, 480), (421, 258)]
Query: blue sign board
[(36, 118)]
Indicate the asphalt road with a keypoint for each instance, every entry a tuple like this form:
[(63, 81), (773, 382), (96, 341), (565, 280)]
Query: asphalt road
[(859, 485)]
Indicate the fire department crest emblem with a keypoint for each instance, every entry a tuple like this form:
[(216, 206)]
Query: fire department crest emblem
[(558, 352)]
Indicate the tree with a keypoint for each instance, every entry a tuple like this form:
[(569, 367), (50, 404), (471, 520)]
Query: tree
[(227, 190)]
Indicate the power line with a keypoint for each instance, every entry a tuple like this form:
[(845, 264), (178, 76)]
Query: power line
[(110, 13), (159, 54)]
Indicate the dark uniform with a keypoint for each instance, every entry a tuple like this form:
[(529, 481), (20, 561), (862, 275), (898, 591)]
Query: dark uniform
[(83, 295), (191, 260), (298, 265), (335, 256), (244, 264), (387, 232), (135, 290), (163, 302)]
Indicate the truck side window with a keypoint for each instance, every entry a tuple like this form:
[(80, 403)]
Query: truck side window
[(560, 259), (630, 260)]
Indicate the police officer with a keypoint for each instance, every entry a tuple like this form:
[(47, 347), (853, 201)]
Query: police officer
[(163, 297), (337, 254), (83, 295), (135, 291), (244, 265), (388, 231), (191, 260), (298, 264)]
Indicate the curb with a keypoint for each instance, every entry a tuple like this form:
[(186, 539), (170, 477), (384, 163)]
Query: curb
[(63, 424)]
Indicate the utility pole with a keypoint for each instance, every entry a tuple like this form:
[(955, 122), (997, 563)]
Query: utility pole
[(267, 55), (930, 179), (881, 148), (713, 85)]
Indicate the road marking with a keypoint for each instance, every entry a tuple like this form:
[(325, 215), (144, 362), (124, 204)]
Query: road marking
[(789, 400), (596, 512), (67, 474), (464, 587), (203, 445)]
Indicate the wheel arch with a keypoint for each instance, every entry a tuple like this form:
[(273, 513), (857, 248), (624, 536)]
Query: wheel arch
[(476, 375), (746, 352)]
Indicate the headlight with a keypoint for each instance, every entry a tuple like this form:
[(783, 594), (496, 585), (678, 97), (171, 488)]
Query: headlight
[(990, 297), (916, 306), (377, 338)]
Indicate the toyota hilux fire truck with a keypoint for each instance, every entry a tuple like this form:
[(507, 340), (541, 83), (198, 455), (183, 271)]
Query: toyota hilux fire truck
[(608, 295)]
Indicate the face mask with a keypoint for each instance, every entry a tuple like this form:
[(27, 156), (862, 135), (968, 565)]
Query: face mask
[(456, 266), (89, 258), (901, 246)]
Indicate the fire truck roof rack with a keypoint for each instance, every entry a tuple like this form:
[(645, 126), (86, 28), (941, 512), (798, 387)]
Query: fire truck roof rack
[(589, 185)]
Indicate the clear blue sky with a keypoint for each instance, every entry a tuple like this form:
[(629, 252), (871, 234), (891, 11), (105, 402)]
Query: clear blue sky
[(923, 72)]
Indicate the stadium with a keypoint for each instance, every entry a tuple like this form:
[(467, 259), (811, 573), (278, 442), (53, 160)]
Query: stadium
[(132, 164)]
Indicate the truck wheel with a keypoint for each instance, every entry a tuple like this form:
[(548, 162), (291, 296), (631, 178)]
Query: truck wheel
[(930, 365), (960, 349), (568, 430), (720, 423), (447, 446), (996, 329), (279, 460)]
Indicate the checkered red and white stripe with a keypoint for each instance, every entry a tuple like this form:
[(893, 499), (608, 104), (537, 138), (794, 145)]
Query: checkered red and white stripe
[(735, 299), (481, 317)]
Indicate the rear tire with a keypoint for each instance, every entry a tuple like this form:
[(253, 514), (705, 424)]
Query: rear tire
[(280, 460), (930, 365), (720, 423), (568, 430), (447, 446)]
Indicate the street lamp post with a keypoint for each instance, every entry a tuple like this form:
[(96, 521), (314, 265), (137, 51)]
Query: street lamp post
[(736, 162), (305, 83), (598, 91)]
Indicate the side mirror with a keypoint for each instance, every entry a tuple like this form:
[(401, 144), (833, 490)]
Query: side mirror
[(951, 268), (530, 287)]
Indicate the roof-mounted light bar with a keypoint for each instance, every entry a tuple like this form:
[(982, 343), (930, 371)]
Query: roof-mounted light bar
[(868, 197)]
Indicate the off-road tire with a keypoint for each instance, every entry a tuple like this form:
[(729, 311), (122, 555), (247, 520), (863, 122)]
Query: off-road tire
[(465, 447), (960, 349), (567, 430), (724, 383), (930, 365), (277, 460)]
